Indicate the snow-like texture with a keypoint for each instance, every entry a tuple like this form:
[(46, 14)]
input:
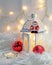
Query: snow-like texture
[(22, 58), (40, 59), (27, 59)]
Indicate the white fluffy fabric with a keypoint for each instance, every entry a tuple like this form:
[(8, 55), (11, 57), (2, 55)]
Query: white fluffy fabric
[(28, 59), (23, 58)]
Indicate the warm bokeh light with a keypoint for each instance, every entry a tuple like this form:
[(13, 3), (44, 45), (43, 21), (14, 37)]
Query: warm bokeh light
[(41, 1), (34, 38), (32, 41), (50, 17), (46, 28), (8, 28), (41, 6), (11, 13), (19, 27), (22, 21), (26, 44), (24, 8)]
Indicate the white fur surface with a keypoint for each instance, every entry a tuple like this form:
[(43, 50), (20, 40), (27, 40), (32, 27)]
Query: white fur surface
[(23, 58)]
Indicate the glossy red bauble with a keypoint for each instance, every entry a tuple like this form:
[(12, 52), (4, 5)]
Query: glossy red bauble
[(31, 27), (37, 28), (38, 49), (17, 46)]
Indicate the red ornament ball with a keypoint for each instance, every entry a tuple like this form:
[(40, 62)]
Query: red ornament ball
[(38, 49), (31, 27), (37, 27), (17, 46)]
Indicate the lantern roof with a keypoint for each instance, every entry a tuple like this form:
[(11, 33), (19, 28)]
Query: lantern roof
[(29, 22)]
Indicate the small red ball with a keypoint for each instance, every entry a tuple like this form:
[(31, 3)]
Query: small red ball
[(38, 49), (37, 28), (31, 27), (17, 46)]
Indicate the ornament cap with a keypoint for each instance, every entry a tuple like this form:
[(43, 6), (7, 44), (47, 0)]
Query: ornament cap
[(33, 16)]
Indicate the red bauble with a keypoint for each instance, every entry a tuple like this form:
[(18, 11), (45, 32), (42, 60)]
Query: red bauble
[(17, 46), (38, 49), (31, 27), (37, 28)]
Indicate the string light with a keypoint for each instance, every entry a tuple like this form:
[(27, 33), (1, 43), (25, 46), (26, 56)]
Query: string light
[(41, 6), (41, 1), (8, 28), (50, 17), (11, 13), (24, 8), (22, 21)]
